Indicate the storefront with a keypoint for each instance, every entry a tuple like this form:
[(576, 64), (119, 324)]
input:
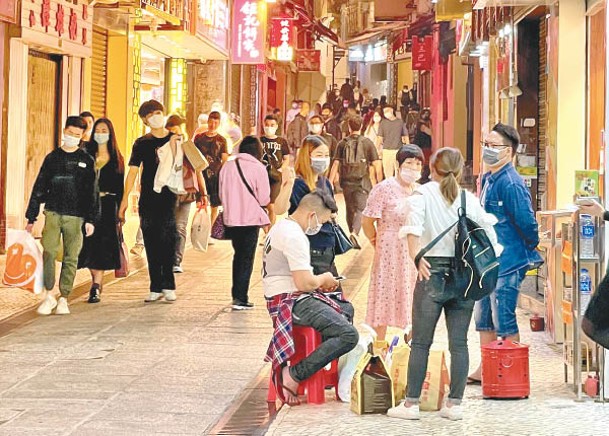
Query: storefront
[(368, 64), (47, 65)]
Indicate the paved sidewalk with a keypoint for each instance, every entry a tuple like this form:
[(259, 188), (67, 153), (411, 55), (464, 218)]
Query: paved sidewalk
[(551, 409)]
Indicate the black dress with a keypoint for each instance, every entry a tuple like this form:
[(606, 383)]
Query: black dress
[(101, 251)]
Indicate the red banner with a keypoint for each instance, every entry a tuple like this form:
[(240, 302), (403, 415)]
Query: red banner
[(422, 49), (249, 29), (308, 60), (283, 38)]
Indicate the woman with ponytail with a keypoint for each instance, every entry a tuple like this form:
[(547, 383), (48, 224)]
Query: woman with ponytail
[(432, 209)]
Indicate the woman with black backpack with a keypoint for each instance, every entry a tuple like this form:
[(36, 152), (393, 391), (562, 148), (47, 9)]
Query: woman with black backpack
[(433, 208)]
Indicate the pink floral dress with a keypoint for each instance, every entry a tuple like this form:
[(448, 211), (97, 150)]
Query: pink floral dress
[(393, 274)]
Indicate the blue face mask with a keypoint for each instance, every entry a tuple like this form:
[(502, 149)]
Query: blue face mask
[(320, 164), (490, 156)]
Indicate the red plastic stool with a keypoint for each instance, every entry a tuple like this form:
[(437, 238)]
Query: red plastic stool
[(306, 340)]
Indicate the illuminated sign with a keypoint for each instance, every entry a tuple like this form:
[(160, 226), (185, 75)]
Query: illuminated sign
[(249, 26), (283, 36), (308, 60), (213, 21), (422, 50)]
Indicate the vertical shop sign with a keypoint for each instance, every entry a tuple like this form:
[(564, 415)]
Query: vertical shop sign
[(249, 29), (213, 21), (422, 53), (283, 36), (8, 11)]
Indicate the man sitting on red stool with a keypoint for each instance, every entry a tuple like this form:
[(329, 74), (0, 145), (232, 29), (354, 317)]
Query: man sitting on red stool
[(295, 296)]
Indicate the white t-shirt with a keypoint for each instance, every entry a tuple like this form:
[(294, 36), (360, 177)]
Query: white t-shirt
[(286, 249)]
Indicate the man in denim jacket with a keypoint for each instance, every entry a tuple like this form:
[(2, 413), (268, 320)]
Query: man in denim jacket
[(505, 195)]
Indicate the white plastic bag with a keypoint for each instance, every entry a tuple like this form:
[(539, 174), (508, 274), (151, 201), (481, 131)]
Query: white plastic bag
[(200, 230), (23, 262), (347, 363)]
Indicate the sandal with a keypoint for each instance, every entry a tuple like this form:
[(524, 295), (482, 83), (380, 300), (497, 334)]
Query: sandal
[(279, 387)]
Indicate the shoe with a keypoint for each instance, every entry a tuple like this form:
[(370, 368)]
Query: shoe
[(355, 242), (153, 296), (170, 295), (178, 269), (47, 305), (454, 413), (137, 249), (62, 307), (94, 294), (402, 412), (240, 305)]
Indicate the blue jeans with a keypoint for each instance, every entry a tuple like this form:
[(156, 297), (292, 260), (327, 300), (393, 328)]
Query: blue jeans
[(497, 312), (430, 298)]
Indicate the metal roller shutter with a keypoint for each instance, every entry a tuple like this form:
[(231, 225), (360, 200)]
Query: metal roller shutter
[(99, 72)]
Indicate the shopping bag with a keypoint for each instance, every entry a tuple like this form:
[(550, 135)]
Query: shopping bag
[(371, 387), (194, 156), (399, 370), (23, 262), (218, 229), (347, 364), (123, 271), (201, 229), (436, 382)]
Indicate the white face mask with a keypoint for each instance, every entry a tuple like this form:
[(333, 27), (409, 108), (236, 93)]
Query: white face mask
[(101, 138), (316, 128), (270, 131), (156, 121), (389, 115), (70, 141), (313, 230), (377, 118), (409, 176)]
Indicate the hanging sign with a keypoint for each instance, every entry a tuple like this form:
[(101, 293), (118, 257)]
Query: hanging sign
[(249, 29), (283, 38), (308, 60), (8, 11), (422, 53)]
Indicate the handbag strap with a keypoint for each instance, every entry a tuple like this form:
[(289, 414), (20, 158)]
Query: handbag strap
[(249, 188)]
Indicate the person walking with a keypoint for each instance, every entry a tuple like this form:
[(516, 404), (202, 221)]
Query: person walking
[(311, 168), (298, 128), (331, 125), (346, 91), (422, 138), (156, 209), (90, 119), (66, 186), (360, 168), (371, 131), (244, 191), (101, 251), (316, 127), (505, 195), (431, 210), (394, 275), (390, 139), (276, 157), (215, 149)]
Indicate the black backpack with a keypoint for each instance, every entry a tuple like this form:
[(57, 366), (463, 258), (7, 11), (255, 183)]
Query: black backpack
[(476, 266), (354, 166)]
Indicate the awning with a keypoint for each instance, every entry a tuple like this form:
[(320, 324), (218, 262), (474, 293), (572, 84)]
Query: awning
[(375, 33), (481, 4), (315, 25), (181, 45)]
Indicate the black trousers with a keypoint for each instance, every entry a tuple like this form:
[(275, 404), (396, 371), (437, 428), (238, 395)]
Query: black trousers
[(355, 203), (160, 235), (244, 241)]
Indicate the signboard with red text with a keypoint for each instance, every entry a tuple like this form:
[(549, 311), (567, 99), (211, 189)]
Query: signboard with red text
[(283, 38), (248, 31), (308, 60), (422, 50)]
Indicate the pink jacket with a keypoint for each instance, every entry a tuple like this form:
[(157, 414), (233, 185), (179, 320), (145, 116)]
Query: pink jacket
[(240, 207)]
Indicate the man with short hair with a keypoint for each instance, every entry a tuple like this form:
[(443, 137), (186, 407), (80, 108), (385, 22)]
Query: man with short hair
[(316, 127), (90, 119), (156, 209), (276, 157), (66, 185), (350, 112), (505, 195), (295, 296), (331, 125), (298, 128), (360, 168), (346, 91), (390, 139)]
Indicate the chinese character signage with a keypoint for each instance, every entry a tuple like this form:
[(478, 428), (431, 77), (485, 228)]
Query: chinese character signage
[(308, 60), (249, 30), (283, 38), (8, 11), (422, 53), (212, 22)]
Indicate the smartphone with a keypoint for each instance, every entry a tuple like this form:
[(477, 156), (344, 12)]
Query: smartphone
[(340, 278)]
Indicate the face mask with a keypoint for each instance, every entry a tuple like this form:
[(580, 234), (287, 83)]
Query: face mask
[(270, 131), (156, 121), (325, 117), (409, 176), (101, 138), (490, 156), (70, 141), (377, 118), (389, 115), (313, 230), (320, 164), (315, 128)]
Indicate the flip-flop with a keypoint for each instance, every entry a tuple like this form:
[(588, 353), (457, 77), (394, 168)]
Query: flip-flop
[(279, 387), (473, 381)]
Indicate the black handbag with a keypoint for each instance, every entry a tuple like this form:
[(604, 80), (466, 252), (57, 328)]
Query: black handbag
[(342, 243)]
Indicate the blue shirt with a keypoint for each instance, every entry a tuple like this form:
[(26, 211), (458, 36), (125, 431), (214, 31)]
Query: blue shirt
[(505, 195), (325, 238)]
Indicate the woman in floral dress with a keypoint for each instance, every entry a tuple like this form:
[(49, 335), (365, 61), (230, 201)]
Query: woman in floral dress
[(393, 274)]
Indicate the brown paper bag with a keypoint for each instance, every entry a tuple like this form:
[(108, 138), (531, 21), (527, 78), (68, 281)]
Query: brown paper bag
[(371, 388), (399, 371), (194, 156), (436, 382)]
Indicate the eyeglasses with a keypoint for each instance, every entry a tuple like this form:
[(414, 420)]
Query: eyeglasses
[(492, 145)]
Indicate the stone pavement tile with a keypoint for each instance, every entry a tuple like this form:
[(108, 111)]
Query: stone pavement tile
[(29, 431), (173, 423), (59, 418), (7, 414), (201, 403)]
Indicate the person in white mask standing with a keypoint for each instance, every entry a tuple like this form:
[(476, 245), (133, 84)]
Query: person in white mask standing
[(276, 157), (316, 127), (66, 186), (390, 139), (372, 130)]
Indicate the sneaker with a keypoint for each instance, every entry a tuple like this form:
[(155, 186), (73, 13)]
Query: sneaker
[(454, 413), (178, 269), (62, 307), (240, 305), (402, 412), (94, 294), (170, 295), (47, 305), (137, 249), (153, 296), (355, 242)]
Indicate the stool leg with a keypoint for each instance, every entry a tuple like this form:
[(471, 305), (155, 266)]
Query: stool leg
[(316, 392), (271, 397)]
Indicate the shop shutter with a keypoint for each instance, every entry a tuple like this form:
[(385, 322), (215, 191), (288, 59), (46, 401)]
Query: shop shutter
[(542, 176), (235, 98), (99, 72)]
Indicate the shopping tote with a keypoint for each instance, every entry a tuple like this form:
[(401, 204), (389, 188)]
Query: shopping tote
[(201, 229), (23, 262)]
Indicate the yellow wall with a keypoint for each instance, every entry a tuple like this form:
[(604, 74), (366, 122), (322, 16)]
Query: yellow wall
[(571, 106), (404, 74), (460, 105), (118, 104)]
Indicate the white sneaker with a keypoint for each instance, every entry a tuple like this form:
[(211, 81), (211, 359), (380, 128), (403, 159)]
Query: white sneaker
[(47, 305), (178, 269), (62, 307), (170, 295), (153, 296), (402, 412), (454, 413)]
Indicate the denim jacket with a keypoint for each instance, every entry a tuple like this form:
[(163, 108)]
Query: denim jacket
[(505, 195)]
